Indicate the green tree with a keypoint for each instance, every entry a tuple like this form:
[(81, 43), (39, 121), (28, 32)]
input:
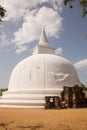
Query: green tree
[(82, 3), (2, 90), (2, 13), (84, 87)]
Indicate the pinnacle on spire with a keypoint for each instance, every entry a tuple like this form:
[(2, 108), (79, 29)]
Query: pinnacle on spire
[(43, 39)]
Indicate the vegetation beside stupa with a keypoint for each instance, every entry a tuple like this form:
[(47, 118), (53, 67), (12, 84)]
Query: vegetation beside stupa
[(2, 90), (84, 87)]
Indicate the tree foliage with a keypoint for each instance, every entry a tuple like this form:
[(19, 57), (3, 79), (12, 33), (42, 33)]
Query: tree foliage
[(82, 3), (84, 87), (2, 90), (2, 13)]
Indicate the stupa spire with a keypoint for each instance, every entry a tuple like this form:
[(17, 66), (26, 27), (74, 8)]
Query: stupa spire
[(43, 39), (43, 47)]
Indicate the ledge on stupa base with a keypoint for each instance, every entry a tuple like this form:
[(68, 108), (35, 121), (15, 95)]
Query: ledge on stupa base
[(31, 93), (16, 103), (22, 106), (27, 98), (46, 90)]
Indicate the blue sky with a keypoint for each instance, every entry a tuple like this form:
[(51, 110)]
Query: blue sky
[(19, 33)]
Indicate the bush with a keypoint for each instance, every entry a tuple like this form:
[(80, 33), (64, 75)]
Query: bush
[(84, 87), (2, 90)]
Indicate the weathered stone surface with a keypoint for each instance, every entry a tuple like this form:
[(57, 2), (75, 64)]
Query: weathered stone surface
[(71, 97), (74, 97)]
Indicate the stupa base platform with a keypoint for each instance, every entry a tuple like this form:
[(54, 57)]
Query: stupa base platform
[(27, 98)]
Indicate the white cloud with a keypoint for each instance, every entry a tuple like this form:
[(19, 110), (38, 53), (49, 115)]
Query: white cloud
[(57, 4), (20, 49), (59, 51), (3, 40), (18, 8), (81, 64), (33, 23), (34, 19)]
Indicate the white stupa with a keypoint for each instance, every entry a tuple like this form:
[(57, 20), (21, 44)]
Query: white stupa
[(42, 74)]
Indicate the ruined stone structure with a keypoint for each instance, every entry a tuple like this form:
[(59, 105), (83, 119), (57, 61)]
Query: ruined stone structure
[(74, 97), (71, 97), (52, 102)]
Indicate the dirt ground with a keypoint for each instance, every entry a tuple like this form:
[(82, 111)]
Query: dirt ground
[(41, 119)]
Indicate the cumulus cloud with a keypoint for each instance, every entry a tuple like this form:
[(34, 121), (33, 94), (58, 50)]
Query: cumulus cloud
[(3, 39), (20, 49), (81, 64), (59, 51), (57, 4), (34, 15), (17, 8), (33, 24)]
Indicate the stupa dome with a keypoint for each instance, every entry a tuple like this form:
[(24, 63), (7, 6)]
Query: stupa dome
[(41, 74), (43, 71)]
